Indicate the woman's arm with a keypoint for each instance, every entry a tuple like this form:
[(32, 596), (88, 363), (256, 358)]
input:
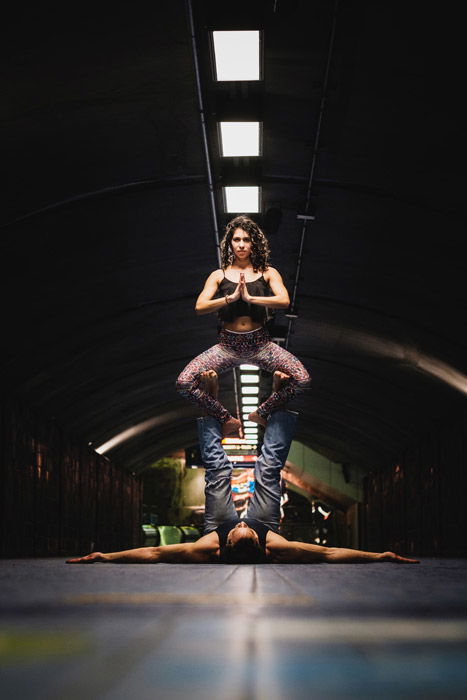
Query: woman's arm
[(205, 304), (280, 298), (285, 552)]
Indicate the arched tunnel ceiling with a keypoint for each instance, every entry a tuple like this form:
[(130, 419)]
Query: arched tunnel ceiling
[(107, 233)]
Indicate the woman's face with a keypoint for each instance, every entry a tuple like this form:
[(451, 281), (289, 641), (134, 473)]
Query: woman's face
[(241, 244)]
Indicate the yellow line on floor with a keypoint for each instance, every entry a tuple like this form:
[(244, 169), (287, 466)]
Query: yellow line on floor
[(188, 599)]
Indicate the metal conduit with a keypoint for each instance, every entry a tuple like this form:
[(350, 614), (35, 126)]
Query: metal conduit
[(203, 128), (307, 218), (208, 168)]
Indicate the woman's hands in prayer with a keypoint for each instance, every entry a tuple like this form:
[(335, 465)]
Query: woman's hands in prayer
[(236, 294), (241, 290), (244, 290)]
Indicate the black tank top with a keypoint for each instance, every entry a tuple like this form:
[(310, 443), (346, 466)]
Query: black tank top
[(260, 528), (229, 312)]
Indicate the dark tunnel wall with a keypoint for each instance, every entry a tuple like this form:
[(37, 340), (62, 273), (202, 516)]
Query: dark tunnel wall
[(107, 234), (59, 497), (417, 504)]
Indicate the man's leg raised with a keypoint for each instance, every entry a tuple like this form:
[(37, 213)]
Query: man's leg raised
[(265, 504), (218, 488)]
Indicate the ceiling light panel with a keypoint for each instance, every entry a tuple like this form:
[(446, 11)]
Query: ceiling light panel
[(236, 55), (249, 378), (242, 199), (239, 138), (250, 400), (250, 389)]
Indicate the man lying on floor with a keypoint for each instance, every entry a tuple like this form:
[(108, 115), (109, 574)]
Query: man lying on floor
[(252, 540)]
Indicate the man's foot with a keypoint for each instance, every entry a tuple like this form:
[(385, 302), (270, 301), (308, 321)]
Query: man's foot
[(277, 379), (256, 418), (231, 427), (211, 384)]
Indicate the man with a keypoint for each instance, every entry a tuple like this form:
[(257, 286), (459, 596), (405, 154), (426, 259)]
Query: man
[(253, 539)]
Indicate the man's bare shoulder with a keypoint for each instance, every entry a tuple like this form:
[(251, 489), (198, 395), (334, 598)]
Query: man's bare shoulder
[(207, 546), (273, 539), (275, 544), (279, 550), (208, 541)]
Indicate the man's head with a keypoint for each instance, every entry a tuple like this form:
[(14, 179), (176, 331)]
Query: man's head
[(242, 546)]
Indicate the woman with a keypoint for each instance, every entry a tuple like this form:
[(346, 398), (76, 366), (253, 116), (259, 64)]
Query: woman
[(240, 292)]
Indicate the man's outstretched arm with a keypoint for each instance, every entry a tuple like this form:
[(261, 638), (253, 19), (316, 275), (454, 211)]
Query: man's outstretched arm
[(202, 551), (284, 552)]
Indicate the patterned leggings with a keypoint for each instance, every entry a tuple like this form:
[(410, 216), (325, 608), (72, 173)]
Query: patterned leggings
[(232, 350)]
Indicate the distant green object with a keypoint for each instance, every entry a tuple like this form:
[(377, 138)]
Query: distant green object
[(169, 534), (190, 533), (155, 535), (150, 535), (149, 530)]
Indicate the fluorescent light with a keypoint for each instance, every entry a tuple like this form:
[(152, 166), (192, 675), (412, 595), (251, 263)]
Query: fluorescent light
[(252, 441), (251, 431), (249, 367), (236, 55), (241, 199), (239, 138), (249, 378), (250, 389), (249, 424), (250, 400), (232, 441), (245, 418)]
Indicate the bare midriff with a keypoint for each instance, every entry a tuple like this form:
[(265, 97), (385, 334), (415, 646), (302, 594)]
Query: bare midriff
[(242, 324)]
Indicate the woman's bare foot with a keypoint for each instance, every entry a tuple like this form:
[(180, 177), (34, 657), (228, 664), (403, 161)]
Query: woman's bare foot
[(231, 427), (256, 418), (277, 379), (211, 385)]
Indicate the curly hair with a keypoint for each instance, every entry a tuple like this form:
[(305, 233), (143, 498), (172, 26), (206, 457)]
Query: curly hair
[(259, 244)]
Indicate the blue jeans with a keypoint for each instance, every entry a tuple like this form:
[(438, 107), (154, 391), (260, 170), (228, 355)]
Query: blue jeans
[(265, 504)]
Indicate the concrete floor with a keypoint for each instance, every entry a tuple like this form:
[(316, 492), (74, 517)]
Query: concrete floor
[(113, 631)]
